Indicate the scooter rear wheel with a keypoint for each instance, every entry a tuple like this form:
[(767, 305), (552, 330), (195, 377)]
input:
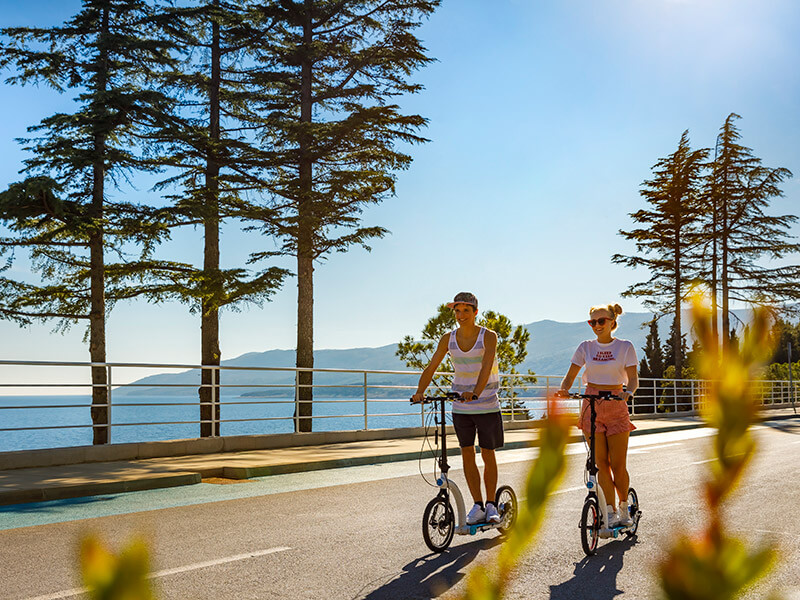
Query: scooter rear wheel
[(506, 501), (438, 524), (590, 526)]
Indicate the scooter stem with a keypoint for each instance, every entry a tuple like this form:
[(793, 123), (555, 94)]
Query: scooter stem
[(448, 484)]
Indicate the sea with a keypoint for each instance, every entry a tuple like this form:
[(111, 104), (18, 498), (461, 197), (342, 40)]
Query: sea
[(64, 421)]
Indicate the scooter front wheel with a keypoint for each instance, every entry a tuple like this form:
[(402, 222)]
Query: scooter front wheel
[(634, 510), (590, 526), (438, 524)]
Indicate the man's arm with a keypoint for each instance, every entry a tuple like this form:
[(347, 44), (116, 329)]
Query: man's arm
[(427, 375)]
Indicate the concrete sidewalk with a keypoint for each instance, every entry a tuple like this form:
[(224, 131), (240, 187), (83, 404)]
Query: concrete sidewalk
[(90, 479)]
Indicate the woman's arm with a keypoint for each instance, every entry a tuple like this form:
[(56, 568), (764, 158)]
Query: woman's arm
[(569, 378), (633, 383)]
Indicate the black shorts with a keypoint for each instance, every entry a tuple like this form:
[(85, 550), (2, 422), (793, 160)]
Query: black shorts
[(489, 427)]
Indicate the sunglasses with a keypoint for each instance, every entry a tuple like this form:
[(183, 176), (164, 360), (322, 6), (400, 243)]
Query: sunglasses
[(601, 321)]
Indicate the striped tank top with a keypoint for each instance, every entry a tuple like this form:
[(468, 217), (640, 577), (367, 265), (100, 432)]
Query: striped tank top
[(467, 366)]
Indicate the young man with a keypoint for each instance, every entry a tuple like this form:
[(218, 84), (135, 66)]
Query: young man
[(473, 350)]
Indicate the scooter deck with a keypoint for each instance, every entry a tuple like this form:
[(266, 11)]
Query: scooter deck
[(473, 528)]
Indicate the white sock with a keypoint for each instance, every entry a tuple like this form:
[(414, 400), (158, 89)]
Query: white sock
[(610, 512), (623, 509)]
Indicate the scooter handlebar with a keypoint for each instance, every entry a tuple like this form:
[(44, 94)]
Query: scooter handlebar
[(600, 396), (430, 399)]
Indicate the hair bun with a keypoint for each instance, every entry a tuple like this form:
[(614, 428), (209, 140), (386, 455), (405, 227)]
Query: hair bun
[(617, 309)]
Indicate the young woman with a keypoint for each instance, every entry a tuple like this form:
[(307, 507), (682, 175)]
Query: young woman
[(610, 363), (473, 350)]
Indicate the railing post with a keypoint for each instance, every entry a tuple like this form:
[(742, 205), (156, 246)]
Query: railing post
[(109, 420), (547, 390), (513, 397), (675, 395), (655, 397), (213, 402), (366, 423), (296, 400)]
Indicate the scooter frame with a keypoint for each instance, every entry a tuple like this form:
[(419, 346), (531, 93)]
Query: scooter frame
[(594, 520), (438, 521)]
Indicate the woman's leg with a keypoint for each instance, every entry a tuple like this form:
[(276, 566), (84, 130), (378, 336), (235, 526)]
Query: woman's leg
[(604, 468), (618, 459)]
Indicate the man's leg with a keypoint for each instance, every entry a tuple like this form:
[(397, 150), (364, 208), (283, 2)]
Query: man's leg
[(471, 473), (489, 473)]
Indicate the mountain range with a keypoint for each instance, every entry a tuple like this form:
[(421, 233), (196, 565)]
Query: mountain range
[(549, 351)]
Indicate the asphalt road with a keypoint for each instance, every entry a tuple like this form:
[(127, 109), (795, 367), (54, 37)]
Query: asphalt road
[(356, 533)]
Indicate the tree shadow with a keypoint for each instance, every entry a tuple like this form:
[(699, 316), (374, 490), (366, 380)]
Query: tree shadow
[(431, 575), (51, 505), (595, 576), (786, 425)]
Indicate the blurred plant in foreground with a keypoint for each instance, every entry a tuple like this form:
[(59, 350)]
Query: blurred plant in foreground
[(486, 583), (713, 565), (116, 577)]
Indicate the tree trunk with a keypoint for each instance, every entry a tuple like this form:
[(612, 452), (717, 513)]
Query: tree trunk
[(714, 271), (97, 318), (97, 310), (209, 323), (305, 244), (726, 325), (676, 338)]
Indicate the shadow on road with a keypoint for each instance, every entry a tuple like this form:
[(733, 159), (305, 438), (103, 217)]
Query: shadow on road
[(431, 575), (787, 426), (595, 576), (51, 505)]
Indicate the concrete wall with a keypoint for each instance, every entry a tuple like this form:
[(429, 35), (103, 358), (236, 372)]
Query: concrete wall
[(85, 454)]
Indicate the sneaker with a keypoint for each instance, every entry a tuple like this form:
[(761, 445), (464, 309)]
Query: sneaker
[(624, 515), (476, 515), (492, 516), (613, 517)]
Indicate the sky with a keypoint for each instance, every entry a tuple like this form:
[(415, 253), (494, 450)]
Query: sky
[(544, 119)]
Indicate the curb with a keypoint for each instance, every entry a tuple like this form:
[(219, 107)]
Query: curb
[(175, 479), (64, 492)]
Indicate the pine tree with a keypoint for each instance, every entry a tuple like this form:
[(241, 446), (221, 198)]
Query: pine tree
[(331, 130), (63, 212), (512, 350), (218, 169), (668, 236), (670, 357), (785, 333), (740, 233), (644, 369), (653, 353)]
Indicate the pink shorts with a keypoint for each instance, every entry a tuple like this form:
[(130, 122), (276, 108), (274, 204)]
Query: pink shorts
[(612, 415)]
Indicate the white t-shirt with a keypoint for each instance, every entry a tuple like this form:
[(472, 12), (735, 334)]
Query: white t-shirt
[(605, 363)]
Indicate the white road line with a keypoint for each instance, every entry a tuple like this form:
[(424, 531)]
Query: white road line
[(771, 532), (702, 462), (167, 572), (572, 489), (219, 561), (659, 446)]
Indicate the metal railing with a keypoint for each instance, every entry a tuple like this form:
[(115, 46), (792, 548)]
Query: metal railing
[(265, 400)]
